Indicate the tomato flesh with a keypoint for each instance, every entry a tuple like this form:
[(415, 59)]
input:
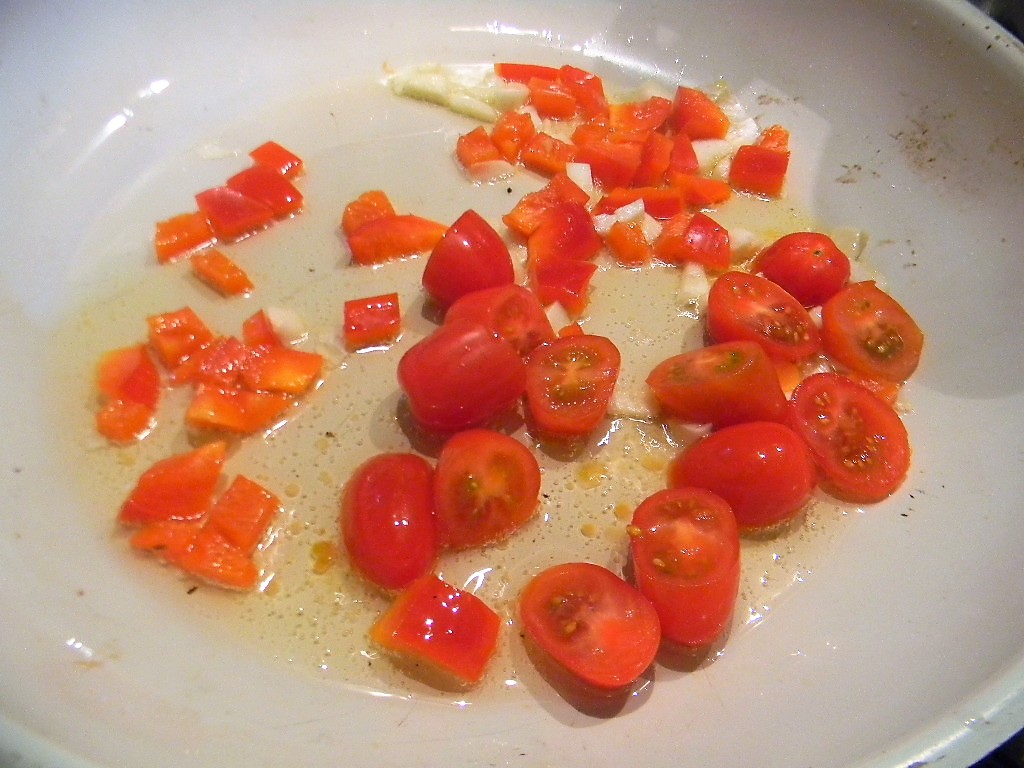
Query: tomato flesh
[(487, 486), (511, 311), (387, 520), (685, 551), (762, 469), (592, 623), (569, 384), (452, 631), (858, 441)]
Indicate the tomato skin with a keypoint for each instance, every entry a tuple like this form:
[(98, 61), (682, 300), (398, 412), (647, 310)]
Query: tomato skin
[(809, 265), (745, 307), (388, 525), (179, 487), (569, 384), (868, 331), (858, 441), (461, 376), (721, 384), (592, 623), (487, 485), (452, 631), (511, 311), (762, 469), (685, 549), (469, 257)]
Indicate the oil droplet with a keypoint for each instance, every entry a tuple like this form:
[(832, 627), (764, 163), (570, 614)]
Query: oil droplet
[(324, 554), (623, 511), (592, 474), (590, 530)]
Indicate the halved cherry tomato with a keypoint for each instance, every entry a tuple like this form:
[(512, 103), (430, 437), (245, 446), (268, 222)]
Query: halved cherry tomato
[(809, 265), (372, 321), (460, 376), (242, 411), (469, 257), (510, 311), (243, 514), (696, 239), (369, 206), (531, 209), (510, 132), (269, 187), (745, 307), (696, 115), (180, 235), (281, 369), (233, 215), (451, 631), (487, 485), (277, 158), (394, 237), (176, 335), (762, 468), (720, 384), (592, 623), (857, 439), (387, 519), (179, 487), (868, 331), (569, 384), (220, 272), (685, 549)]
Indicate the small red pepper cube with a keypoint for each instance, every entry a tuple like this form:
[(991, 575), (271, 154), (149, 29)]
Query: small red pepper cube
[(265, 185), (372, 322), (180, 235), (275, 157), (221, 273), (177, 335), (231, 214)]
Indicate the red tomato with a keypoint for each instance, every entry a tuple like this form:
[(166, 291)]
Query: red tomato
[(806, 264), (685, 549), (592, 623), (269, 187), (868, 331), (219, 272), (698, 239), (176, 488), (487, 485), (762, 468), (511, 311), (745, 307), (857, 439), (470, 257), (231, 214), (461, 376), (387, 521), (569, 384), (453, 632), (394, 237), (371, 322), (243, 513), (721, 384)]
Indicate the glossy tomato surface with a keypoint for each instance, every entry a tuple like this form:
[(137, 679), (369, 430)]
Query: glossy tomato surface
[(761, 468), (809, 265), (857, 439), (461, 376), (387, 519), (592, 623), (686, 560), (511, 311), (487, 485), (469, 257)]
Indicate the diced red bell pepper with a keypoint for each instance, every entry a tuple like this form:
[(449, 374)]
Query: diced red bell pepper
[(476, 147), (528, 213), (695, 114), (655, 157), (241, 411), (372, 321), (129, 374), (640, 117), (275, 157), (199, 551), (231, 214), (181, 235), (124, 421), (683, 158), (551, 99), (180, 487), (628, 244), (761, 168), (566, 281), (243, 513), (545, 154), (176, 335), (514, 72), (220, 272), (698, 239), (588, 89), (369, 206), (281, 369), (269, 187), (566, 233), (394, 237), (699, 191), (217, 364), (659, 202), (510, 132), (612, 163), (258, 331)]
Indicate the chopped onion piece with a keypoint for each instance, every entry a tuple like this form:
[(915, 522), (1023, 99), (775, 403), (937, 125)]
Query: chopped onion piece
[(287, 325), (464, 104), (580, 174)]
